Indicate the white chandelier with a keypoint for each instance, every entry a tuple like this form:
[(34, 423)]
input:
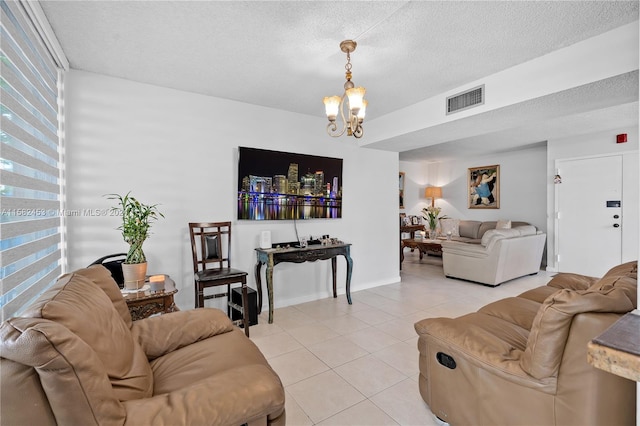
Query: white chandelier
[(356, 103)]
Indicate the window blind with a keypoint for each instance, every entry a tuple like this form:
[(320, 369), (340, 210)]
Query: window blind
[(30, 162)]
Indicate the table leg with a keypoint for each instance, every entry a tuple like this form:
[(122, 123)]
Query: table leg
[(334, 262), (259, 285), (349, 270), (269, 275)]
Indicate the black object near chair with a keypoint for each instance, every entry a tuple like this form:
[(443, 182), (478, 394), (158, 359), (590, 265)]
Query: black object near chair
[(113, 262), (211, 249)]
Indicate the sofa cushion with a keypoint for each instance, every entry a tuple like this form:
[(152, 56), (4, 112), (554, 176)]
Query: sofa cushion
[(552, 323), (538, 294), (516, 310), (525, 230), (89, 314), (571, 281), (627, 284), (488, 236), (485, 226), (103, 279), (629, 269), (192, 363), (503, 224), (516, 224), (159, 335), (492, 235), (450, 225), (469, 228)]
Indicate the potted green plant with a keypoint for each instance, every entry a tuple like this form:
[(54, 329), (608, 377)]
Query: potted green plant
[(137, 219)]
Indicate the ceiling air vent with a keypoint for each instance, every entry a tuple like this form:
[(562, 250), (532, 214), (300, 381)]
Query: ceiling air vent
[(468, 99)]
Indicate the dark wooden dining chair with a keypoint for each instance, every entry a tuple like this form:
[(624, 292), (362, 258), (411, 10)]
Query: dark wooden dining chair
[(211, 249)]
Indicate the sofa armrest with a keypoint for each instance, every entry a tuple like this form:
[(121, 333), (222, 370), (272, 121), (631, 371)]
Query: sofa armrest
[(471, 340), (232, 397), (165, 333)]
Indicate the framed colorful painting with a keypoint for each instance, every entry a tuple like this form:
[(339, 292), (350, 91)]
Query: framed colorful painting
[(484, 187)]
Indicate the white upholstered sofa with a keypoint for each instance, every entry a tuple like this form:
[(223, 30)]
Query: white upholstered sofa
[(502, 255)]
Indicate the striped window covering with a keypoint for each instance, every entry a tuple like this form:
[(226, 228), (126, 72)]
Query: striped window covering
[(30, 162)]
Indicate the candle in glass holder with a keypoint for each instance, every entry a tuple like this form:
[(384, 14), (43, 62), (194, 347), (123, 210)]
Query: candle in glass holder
[(156, 282)]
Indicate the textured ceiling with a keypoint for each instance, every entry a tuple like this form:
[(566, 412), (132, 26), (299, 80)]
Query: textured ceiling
[(285, 54)]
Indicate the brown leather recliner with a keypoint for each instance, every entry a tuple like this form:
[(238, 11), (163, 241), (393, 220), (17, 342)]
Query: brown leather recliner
[(523, 360), (75, 357)]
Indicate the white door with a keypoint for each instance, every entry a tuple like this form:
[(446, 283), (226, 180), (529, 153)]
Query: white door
[(589, 215)]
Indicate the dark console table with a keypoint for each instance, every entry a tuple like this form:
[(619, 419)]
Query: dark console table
[(271, 257)]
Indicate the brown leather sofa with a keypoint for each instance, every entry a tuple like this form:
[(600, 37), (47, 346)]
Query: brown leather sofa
[(75, 357), (523, 360)]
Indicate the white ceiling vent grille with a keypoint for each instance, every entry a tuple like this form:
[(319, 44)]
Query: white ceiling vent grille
[(469, 99)]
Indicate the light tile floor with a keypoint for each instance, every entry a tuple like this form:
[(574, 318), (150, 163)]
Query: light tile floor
[(357, 364)]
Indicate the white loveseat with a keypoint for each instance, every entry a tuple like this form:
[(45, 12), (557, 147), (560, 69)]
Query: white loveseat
[(502, 255)]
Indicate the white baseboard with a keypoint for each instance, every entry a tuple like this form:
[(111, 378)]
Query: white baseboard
[(281, 303)]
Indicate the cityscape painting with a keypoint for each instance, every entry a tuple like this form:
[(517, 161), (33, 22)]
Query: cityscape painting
[(274, 185)]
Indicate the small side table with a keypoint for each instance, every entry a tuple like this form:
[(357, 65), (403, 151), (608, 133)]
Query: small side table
[(144, 303), (411, 230), (617, 349)]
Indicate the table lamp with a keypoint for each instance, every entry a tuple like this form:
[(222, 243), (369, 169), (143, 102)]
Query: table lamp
[(433, 192)]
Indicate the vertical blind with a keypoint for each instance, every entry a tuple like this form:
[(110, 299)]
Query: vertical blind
[(30, 162)]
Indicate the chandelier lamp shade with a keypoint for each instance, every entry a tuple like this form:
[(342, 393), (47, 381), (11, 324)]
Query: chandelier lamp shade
[(352, 98), (433, 192)]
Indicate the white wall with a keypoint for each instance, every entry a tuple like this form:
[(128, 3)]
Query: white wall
[(179, 150), (522, 186), (415, 181), (597, 144)]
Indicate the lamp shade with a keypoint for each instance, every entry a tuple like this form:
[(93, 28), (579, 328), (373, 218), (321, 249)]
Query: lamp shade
[(433, 192), (331, 105), (363, 110), (356, 96)]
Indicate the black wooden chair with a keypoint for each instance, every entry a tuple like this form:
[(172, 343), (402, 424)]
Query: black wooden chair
[(211, 249)]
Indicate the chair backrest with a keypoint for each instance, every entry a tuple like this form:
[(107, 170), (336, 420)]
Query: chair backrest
[(210, 245)]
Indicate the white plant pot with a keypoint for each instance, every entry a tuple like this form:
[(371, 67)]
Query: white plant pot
[(134, 275)]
